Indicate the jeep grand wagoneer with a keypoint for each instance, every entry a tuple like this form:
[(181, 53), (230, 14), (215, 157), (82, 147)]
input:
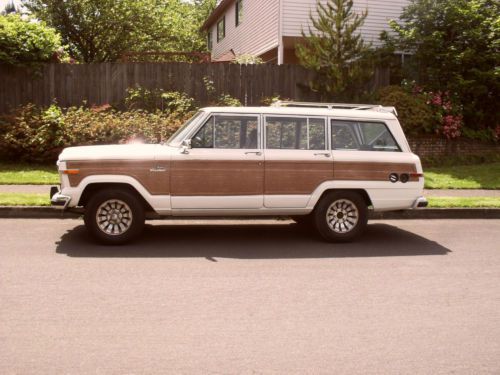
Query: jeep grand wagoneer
[(320, 164)]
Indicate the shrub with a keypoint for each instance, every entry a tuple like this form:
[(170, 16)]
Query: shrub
[(24, 42), (158, 99), (414, 113), (35, 134)]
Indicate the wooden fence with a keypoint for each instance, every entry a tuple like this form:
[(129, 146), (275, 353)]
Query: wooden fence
[(106, 83)]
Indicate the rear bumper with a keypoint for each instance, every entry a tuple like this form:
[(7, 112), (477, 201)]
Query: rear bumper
[(420, 202), (58, 199)]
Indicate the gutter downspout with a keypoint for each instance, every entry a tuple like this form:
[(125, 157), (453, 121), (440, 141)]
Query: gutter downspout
[(281, 51)]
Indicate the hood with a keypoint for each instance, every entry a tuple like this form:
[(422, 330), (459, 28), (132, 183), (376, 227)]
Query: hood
[(110, 152)]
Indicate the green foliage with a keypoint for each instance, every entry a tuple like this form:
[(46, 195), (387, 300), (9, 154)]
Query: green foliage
[(25, 42), (224, 100), (414, 113), (455, 46), (38, 135), (334, 49), (158, 99), (248, 59), (103, 30)]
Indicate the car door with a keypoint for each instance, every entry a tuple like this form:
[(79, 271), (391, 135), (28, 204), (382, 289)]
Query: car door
[(223, 169), (297, 159)]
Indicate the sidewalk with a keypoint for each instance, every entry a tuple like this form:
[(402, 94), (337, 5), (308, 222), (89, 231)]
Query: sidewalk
[(44, 189)]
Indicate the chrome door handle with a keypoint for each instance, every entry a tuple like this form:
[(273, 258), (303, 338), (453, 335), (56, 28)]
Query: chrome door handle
[(325, 154), (258, 153), (158, 169)]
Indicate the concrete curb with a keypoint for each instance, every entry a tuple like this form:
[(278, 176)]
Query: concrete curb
[(32, 212)]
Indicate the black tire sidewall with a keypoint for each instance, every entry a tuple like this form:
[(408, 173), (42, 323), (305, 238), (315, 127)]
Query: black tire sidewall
[(138, 216), (320, 216)]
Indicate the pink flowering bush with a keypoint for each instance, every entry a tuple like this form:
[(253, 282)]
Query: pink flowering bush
[(449, 119)]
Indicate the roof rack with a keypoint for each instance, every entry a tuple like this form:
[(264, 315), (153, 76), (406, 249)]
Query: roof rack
[(357, 107)]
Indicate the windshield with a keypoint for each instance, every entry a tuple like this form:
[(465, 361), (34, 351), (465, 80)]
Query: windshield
[(176, 139)]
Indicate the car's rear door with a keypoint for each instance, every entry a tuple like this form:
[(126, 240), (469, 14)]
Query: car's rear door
[(297, 159)]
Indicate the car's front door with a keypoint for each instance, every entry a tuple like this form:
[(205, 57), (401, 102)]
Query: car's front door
[(224, 169)]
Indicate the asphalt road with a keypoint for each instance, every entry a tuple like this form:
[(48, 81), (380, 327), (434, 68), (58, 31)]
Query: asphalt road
[(415, 297)]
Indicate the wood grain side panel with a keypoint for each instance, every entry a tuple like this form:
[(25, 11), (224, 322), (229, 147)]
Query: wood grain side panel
[(216, 177), (370, 171), (296, 177), (156, 183)]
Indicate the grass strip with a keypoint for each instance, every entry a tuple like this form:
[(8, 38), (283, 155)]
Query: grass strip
[(464, 202), (28, 174), (16, 199), (482, 176)]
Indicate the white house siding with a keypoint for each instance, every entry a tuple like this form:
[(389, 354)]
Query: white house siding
[(256, 34), (380, 12)]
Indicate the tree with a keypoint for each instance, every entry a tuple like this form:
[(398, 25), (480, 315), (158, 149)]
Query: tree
[(455, 47), (334, 48), (102, 30), (25, 42)]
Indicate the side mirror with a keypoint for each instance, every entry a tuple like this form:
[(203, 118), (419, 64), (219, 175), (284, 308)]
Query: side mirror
[(185, 146)]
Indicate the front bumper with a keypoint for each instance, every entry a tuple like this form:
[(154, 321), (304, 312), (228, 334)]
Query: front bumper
[(420, 202), (58, 199)]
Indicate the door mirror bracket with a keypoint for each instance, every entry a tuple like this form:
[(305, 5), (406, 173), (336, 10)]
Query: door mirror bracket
[(185, 146)]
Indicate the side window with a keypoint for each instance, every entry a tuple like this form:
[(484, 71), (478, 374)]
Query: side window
[(317, 134), (204, 138), (295, 133), (364, 136), (228, 132), (378, 137)]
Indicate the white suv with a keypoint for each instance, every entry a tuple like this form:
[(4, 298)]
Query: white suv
[(321, 164)]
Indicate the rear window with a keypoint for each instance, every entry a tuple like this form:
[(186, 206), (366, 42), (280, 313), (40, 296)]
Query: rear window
[(362, 136)]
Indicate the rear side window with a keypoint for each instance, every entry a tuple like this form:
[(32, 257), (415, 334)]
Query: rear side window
[(295, 133), (362, 136)]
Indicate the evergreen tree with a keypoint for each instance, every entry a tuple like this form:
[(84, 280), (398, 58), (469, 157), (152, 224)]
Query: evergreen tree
[(335, 50)]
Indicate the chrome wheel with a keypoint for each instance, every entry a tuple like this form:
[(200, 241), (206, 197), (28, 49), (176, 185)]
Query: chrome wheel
[(342, 216), (114, 217)]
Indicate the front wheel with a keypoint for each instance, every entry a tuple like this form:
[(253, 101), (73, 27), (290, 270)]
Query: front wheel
[(114, 216), (341, 216)]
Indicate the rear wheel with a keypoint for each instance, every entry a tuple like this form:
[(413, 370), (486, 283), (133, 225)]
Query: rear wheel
[(114, 216), (341, 216)]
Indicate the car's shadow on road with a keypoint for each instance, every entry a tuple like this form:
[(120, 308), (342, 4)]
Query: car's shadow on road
[(250, 242)]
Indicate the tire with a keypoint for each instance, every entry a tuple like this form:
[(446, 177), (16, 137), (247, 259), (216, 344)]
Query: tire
[(341, 216), (127, 222)]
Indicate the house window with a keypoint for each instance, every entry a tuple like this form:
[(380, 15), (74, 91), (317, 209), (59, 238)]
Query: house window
[(239, 12), (209, 40), (221, 29)]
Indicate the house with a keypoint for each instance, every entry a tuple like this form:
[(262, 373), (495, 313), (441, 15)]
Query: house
[(271, 28)]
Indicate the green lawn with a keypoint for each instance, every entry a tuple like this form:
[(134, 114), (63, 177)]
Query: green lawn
[(15, 199), (28, 174), (482, 176)]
